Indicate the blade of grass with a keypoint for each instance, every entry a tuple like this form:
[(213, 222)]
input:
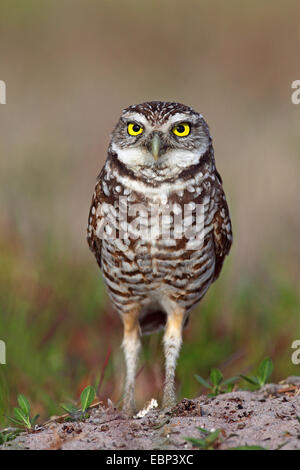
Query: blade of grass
[(24, 404), (87, 396), (202, 381)]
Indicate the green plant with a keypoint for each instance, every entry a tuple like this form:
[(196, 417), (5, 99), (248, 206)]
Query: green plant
[(22, 414), (217, 383), (264, 371), (211, 439), (86, 398), (7, 435)]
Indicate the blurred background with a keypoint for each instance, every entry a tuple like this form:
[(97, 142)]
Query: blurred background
[(70, 67)]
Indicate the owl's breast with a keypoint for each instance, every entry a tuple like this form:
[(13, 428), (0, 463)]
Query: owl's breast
[(160, 248), (156, 240)]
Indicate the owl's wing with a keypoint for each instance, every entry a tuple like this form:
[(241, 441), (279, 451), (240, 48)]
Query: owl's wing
[(95, 221), (222, 231)]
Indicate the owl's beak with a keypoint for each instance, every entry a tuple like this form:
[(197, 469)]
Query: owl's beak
[(155, 146)]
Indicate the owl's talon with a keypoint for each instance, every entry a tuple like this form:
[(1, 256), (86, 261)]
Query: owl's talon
[(129, 411), (168, 404), (129, 407)]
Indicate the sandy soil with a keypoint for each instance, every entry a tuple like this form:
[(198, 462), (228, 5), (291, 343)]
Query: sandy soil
[(268, 418)]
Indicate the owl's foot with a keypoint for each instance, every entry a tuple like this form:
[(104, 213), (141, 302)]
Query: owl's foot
[(167, 406), (169, 400), (129, 409), (129, 406)]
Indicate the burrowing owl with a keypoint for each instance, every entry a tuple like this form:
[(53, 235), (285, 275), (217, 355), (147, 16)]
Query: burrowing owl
[(159, 172)]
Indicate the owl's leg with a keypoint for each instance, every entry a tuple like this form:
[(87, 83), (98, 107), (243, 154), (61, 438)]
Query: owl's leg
[(131, 345), (172, 343)]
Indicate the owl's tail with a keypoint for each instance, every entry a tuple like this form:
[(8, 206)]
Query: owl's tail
[(153, 319)]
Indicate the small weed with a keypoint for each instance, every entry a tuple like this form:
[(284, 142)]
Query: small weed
[(87, 397), (217, 383), (265, 369), (210, 441), (22, 417), (7, 435)]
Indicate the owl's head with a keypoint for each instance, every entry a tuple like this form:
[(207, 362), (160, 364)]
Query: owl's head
[(160, 135)]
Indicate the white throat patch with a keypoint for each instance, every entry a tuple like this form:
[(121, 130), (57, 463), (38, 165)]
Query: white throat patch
[(174, 159), (133, 156)]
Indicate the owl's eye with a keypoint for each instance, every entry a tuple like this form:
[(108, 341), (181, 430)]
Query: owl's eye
[(134, 129), (182, 130)]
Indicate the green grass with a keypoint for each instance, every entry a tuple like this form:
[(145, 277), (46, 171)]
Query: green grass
[(22, 414), (210, 441), (217, 383), (86, 398), (61, 334)]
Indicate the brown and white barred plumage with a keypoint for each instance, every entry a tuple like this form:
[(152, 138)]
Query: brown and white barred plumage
[(154, 283)]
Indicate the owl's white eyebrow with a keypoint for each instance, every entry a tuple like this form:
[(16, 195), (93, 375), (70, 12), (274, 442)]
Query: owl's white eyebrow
[(136, 117), (177, 118)]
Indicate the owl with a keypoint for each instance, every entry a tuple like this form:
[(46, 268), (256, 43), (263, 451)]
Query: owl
[(159, 227)]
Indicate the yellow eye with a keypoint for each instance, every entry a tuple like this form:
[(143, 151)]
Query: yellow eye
[(182, 130), (134, 129)]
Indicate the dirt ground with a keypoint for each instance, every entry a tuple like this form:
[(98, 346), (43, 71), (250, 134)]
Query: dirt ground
[(268, 418)]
